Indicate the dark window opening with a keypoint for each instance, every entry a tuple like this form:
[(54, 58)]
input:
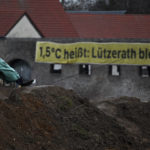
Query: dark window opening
[(85, 69), (114, 70), (144, 71), (55, 68)]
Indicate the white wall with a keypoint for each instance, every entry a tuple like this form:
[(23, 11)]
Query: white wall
[(23, 29)]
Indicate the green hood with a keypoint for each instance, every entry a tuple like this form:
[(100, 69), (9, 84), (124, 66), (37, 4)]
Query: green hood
[(7, 73)]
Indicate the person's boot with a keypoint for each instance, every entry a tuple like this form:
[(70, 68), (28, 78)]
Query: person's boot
[(21, 82)]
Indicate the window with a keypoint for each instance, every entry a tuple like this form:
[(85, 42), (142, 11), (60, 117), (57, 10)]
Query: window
[(114, 70), (144, 71), (56, 68), (85, 69)]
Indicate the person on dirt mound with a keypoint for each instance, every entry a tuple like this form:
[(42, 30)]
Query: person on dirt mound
[(8, 74)]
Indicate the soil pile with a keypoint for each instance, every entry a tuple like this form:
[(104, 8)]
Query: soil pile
[(52, 118)]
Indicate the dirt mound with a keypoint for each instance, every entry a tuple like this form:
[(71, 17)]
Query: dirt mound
[(52, 118), (5, 92), (133, 115)]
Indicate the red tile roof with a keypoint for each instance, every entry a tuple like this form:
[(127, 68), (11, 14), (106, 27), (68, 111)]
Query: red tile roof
[(47, 16), (8, 19), (111, 26), (52, 21)]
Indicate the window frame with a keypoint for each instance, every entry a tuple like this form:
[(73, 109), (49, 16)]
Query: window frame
[(85, 69), (118, 70), (54, 70)]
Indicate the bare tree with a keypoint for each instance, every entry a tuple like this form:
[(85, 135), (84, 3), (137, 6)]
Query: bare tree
[(132, 6), (78, 4)]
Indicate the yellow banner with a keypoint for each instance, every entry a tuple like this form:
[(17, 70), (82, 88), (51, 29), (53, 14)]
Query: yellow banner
[(93, 53)]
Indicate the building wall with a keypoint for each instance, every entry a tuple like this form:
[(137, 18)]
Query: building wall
[(23, 29), (97, 86)]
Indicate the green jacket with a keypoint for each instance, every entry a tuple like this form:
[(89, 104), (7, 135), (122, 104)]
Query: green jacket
[(7, 73)]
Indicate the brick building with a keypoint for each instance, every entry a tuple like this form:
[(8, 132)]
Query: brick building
[(24, 22)]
